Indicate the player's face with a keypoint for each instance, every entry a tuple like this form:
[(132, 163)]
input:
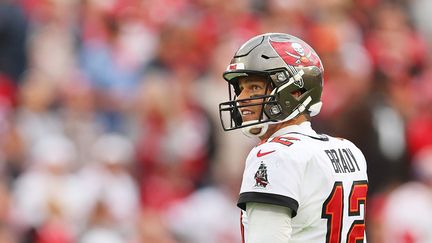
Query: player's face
[(251, 87)]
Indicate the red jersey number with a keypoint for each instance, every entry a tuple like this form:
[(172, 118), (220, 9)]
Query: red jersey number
[(333, 211), (284, 140)]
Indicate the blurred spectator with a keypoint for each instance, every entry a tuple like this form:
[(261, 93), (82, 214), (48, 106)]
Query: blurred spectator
[(422, 17), (115, 57), (197, 218), (61, 64), (13, 37), (35, 117), (152, 228), (80, 117), (54, 229), (284, 16), (7, 93), (407, 212), (13, 150), (172, 143), (419, 124), (396, 60), (109, 184), (47, 196), (101, 228), (8, 221)]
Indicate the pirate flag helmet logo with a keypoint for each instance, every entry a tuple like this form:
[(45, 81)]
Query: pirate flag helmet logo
[(261, 179)]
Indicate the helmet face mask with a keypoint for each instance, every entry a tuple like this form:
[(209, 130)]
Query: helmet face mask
[(231, 110), (289, 65)]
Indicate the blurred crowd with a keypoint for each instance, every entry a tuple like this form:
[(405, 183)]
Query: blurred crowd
[(109, 123)]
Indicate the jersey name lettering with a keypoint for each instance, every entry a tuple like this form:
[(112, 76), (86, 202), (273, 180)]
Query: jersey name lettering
[(343, 160)]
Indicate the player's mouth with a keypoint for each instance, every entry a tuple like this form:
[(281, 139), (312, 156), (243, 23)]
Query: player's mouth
[(247, 114)]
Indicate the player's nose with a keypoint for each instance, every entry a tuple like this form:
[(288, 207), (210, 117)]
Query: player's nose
[(244, 94)]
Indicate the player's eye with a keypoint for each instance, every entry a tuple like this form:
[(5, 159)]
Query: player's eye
[(256, 88)]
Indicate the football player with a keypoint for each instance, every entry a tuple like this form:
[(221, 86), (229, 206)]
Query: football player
[(298, 185)]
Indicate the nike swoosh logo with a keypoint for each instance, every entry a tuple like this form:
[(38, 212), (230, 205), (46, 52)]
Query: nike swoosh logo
[(259, 154)]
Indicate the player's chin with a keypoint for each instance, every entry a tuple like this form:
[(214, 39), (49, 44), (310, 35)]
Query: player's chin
[(247, 118), (255, 130)]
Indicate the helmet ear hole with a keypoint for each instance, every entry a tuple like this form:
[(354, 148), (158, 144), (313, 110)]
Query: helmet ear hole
[(298, 93), (302, 90)]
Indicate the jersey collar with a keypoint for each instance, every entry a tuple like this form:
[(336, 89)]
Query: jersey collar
[(302, 128)]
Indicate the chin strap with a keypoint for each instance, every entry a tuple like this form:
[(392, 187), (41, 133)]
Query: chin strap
[(248, 130)]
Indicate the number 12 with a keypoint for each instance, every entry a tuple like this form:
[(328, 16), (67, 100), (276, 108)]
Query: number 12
[(333, 211)]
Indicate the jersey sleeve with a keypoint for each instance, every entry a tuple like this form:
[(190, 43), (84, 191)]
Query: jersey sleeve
[(279, 231), (273, 175)]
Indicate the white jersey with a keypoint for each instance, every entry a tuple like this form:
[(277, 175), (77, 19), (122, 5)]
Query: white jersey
[(321, 178)]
